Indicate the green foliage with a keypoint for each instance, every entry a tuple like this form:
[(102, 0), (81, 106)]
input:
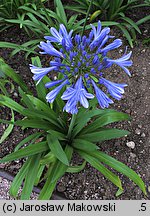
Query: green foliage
[(10, 9), (8, 130), (3, 89), (147, 2), (48, 152), (114, 10), (37, 21)]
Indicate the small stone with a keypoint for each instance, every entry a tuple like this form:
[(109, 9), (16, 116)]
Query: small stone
[(140, 126), (15, 94), (120, 51), (137, 131), (131, 144), (61, 187), (4, 127), (143, 135), (132, 155), (136, 160), (2, 165), (85, 192), (128, 111)]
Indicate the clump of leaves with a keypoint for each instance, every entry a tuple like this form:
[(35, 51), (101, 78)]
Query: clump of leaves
[(11, 10), (37, 21), (50, 150), (114, 13)]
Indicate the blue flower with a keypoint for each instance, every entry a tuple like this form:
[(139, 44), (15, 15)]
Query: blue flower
[(75, 95), (50, 97), (59, 36), (39, 73), (115, 89), (49, 49), (98, 34), (115, 44), (123, 62), (53, 83), (78, 61), (102, 98)]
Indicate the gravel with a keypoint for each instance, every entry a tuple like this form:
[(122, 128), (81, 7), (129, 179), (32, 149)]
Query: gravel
[(4, 190)]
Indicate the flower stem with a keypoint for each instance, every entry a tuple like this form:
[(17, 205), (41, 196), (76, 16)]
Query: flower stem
[(86, 17), (73, 119)]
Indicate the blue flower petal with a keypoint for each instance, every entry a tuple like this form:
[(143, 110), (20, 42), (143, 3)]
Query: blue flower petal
[(52, 94), (123, 62), (115, 44), (60, 36), (115, 89), (98, 34), (39, 73), (69, 93), (75, 95), (52, 83), (102, 98), (49, 49)]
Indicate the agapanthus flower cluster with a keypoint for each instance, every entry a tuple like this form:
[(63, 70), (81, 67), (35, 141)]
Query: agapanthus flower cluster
[(82, 61)]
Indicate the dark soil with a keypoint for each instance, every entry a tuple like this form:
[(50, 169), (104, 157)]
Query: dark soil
[(90, 184)]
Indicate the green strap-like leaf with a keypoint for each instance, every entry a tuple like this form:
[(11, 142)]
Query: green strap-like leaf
[(31, 138), (27, 151), (59, 135), (26, 99), (104, 134), (95, 14), (104, 120), (126, 34), (84, 145), (19, 179), (76, 169), (6, 101), (49, 186), (39, 174), (41, 106), (57, 149), (120, 167), (83, 118), (145, 19), (3, 82), (61, 12), (41, 115), (8, 71), (48, 158), (61, 168), (41, 91), (119, 192), (97, 165), (30, 177), (35, 123), (8, 129), (132, 23)]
